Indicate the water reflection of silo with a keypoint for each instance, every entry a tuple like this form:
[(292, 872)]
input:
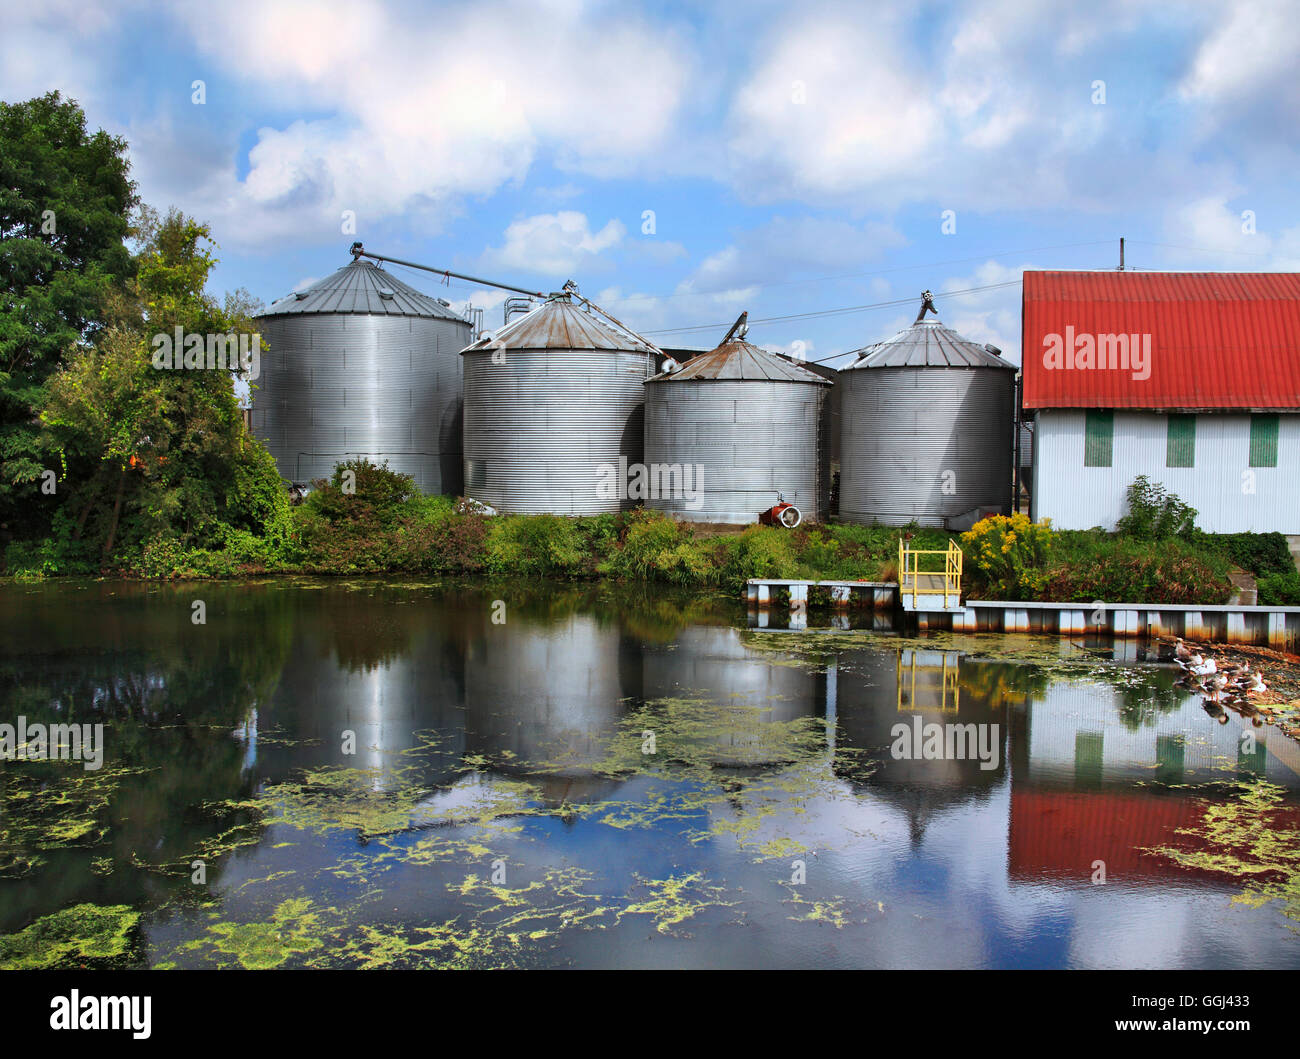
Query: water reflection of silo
[(712, 663), (886, 698), (392, 675), (545, 699)]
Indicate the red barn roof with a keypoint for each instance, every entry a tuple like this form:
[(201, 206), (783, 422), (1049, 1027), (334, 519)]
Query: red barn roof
[(1199, 340)]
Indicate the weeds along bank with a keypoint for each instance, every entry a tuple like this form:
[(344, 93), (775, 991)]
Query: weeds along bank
[(371, 520)]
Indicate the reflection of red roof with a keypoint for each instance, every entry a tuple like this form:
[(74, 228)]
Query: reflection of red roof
[(1060, 833), (1218, 339)]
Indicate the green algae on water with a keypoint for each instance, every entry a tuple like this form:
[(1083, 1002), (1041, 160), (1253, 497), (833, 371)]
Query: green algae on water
[(51, 809), (676, 900), (1251, 838), (95, 936), (293, 930)]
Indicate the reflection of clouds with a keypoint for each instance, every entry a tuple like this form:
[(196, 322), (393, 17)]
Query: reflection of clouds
[(1113, 929)]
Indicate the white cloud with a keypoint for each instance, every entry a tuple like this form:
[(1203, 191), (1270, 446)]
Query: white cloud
[(988, 105), (799, 348), (656, 251), (831, 109), (487, 300), (554, 244), (423, 111), (1254, 47)]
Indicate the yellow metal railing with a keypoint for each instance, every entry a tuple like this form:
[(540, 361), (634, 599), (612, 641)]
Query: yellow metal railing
[(910, 569)]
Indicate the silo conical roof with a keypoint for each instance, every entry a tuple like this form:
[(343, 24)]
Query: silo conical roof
[(559, 324), (738, 359), (365, 288), (927, 344)]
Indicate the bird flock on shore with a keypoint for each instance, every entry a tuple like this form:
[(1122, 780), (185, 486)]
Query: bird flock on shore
[(1231, 686)]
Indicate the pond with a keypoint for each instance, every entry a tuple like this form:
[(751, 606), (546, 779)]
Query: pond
[(311, 773)]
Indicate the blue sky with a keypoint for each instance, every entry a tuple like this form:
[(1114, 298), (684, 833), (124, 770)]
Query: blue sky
[(797, 159)]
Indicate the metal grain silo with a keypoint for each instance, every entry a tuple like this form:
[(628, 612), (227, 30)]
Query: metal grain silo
[(926, 429), (753, 423), (362, 365), (552, 401)]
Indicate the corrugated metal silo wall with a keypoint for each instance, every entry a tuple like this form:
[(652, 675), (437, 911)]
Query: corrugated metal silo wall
[(751, 441), (903, 428), (336, 386), (539, 426)]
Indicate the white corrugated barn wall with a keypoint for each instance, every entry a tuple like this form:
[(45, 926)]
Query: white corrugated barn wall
[(1077, 497)]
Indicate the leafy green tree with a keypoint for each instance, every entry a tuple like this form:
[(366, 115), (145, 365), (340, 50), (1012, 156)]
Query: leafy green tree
[(156, 453), (65, 203)]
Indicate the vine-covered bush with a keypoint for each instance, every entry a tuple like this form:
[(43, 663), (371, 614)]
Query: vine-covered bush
[(761, 551), (656, 548), (534, 545), (1259, 553)]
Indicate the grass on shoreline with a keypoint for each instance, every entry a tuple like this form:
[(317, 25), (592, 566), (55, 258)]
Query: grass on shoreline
[(385, 526)]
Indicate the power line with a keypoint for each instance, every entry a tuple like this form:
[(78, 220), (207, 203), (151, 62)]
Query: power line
[(1198, 249), (856, 275), (845, 310), (845, 275)]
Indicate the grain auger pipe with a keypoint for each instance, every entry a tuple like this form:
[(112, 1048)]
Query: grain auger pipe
[(359, 251)]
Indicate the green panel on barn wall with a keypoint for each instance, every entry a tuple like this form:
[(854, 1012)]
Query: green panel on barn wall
[(1098, 438), (1180, 450), (1263, 441)]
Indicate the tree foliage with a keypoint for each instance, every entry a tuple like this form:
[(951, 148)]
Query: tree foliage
[(149, 452), (65, 202)]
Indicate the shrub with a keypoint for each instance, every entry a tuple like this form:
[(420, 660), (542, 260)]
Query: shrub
[(1008, 555), (687, 563), (1154, 513), (1279, 590), (534, 545), (1260, 553), (163, 557), (647, 537), (760, 551), (1128, 571), (599, 534), (57, 554), (821, 555)]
